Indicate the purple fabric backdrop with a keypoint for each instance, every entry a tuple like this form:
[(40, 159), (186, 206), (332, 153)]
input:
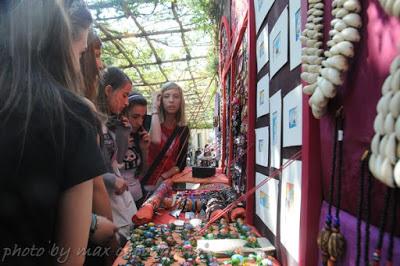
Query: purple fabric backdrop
[(359, 95), (349, 229)]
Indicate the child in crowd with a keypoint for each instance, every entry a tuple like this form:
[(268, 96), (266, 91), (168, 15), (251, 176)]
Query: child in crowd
[(112, 98), (135, 151)]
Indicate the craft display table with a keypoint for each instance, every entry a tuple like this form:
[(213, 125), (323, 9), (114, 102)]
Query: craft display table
[(167, 240)]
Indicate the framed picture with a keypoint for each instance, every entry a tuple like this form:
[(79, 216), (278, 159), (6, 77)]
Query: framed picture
[(262, 146), (262, 48), (295, 33), (290, 208), (279, 43), (261, 10), (292, 118), (275, 103), (263, 96), (267, 201)]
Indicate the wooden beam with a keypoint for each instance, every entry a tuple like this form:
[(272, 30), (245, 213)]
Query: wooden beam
[(122, 51), (144, 34), (163, 62), (142, 29), (162, 82)]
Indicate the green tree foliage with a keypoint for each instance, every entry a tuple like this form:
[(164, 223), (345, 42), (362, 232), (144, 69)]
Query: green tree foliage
[(117, 21)]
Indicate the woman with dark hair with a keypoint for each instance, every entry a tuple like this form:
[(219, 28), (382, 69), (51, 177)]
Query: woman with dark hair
[(133, 145), (102, 229), (112, 98), (48, 138)]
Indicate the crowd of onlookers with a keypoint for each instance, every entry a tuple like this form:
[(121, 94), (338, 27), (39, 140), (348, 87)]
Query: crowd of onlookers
[(207, 156), (77, 159)]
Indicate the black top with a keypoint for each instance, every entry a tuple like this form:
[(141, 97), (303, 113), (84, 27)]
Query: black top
[(33, 177), (133, 156)]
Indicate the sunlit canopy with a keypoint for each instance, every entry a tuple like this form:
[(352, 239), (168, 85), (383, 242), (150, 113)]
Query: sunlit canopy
[(159, 41)]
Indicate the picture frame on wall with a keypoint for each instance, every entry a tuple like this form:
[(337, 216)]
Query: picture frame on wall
[(295, 33), (261, 145), (263, 96), (262, 49), (261, 8), (267, 201), (290, 208), (275, 117), (278, 43), (292, 118)]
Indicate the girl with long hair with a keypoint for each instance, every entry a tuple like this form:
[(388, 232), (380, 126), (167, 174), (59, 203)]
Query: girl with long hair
[(112, 98), (47, 138), (168, 128), (91, 65)]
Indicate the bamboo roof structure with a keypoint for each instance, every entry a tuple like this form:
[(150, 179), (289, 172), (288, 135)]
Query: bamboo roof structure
[(156, 41)]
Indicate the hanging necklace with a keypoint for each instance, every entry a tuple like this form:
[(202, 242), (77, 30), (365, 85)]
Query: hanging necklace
[(392, 229), (324, 235), (376, 256), (330, 241), (336, 243), (360, 206), (362, 197)]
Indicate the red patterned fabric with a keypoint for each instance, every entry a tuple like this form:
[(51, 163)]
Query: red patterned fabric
[(170, 157), (145, 213)]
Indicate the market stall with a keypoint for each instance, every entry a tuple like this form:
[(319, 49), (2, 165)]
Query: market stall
[(171, 228), (321, 78)]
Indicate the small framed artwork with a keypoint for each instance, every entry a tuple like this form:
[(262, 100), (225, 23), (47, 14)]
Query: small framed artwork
[(267, 201), (279, 43), (292, 118), (261, 10), (263, 96), (290, 207), (277, 50), (262, 48), (295, 33), (275, 103), (274, 128), (262, 146)]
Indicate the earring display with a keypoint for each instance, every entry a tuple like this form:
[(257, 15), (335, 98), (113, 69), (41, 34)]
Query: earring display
[(240, 120)]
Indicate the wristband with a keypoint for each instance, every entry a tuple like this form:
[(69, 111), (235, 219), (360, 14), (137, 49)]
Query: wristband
[(93, 224)]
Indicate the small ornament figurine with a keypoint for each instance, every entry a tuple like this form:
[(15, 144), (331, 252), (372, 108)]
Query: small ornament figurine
[(323, 239), (149, 242), (165, 261), (336, 246), (139, 250), (237, 259), (148, 234)]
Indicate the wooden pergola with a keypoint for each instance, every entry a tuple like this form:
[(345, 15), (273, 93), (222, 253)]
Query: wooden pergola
[(156, 41)]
